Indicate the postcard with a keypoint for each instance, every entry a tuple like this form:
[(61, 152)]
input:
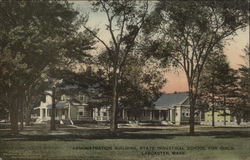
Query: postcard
[(124, 80)]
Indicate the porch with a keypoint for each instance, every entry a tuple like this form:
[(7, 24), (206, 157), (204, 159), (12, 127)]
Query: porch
[(151, 115)]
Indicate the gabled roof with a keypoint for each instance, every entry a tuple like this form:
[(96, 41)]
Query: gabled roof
[(167, 101)]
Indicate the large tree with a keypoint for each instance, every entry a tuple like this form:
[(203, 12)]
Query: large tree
[(139, 81), (124, 22), (210, 80), (244, 83), (189, 31), (34, 38), (218, 85), (3, 106)]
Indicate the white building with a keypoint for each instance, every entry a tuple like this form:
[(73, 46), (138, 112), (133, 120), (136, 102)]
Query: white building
[(71, 109), (169, 109)]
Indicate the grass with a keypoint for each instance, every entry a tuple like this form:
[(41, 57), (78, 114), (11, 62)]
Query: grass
[(156, 143)]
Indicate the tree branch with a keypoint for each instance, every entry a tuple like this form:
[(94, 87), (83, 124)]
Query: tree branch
[(98, 38)]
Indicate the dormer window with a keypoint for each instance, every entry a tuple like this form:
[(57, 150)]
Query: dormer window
[(81, 97)]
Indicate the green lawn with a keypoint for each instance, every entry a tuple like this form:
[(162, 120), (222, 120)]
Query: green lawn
[(171, 143)]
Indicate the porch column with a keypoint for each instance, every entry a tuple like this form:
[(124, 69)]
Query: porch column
[(41, 113), (151, 115), (160, 116), (123, 114), (69, 117), (170, 115), (46, 112)]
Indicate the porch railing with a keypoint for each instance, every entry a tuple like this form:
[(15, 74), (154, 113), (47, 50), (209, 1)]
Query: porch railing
[(102, 118)]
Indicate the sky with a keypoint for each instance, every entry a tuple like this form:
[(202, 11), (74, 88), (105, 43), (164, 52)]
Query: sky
[(234, 52), (176, 80)]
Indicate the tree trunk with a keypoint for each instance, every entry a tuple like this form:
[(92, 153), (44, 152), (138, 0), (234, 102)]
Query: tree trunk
[(224, 110), (213, 101), (27, 110), (113, 124), (14, 115), (224, 117), (21, 116), (52, 121), (238, 119), (191, 120), (192, 109), (213, 123), (21, 105), (28, 116)]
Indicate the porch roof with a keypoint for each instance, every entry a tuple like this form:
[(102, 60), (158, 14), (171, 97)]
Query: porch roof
[(59, 105), (168, 101)]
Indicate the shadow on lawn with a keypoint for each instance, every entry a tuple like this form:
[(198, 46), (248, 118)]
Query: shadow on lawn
[(133, 133)]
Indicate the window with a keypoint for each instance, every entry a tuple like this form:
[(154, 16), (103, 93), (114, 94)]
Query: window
[(187, 114), (104, 113), (44, 113), (81, 97), (50, 112), (80, 113), (183, 114)]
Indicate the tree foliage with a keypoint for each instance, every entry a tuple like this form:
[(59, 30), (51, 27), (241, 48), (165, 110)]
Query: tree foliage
[(189, 31), (124, 22), (218, 85), (35, 37), (244, 83)]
